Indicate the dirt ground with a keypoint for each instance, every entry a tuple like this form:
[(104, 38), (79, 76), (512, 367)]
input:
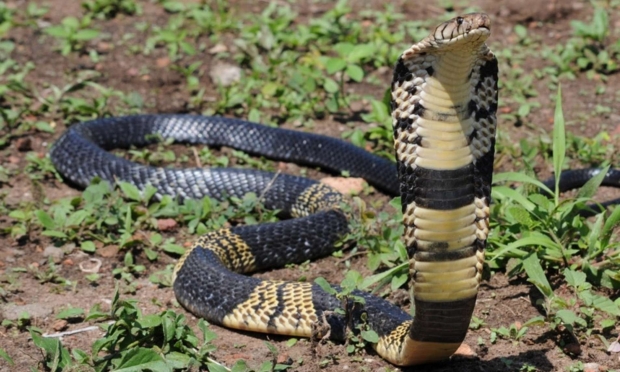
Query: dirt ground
[(501, 301)]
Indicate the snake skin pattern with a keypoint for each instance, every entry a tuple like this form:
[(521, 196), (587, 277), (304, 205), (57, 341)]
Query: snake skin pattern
[(444, 98)]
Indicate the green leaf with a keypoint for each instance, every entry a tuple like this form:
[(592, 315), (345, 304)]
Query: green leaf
[(519, 177), (54, 234), (271, 347), (71, 22), (178, 360), (568, 317), (574, 278), (87, 34), (57, 31), (213, 367), (355, 72), (605, 304), (537, 320), (371, 280), (370, 336), (130, 191), (71, 313), (4, 355), (325, 286), (173, 248), (45, 219), (330, 86), (399, 280), (536, 239), (334, 65), (589, 189), (141, 359), (594, 235), (610, 224), (291, 342), (150, 321), (361, 52), (559, 142), (88, 246), (536, 275), (57, 356), (44, 127)]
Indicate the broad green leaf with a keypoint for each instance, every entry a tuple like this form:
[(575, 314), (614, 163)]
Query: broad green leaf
[(521, 215), (76, 218), (173, 248), (370, 336), (536, 275), (537, 320), (71, 22), (88, 246), (74, 312), (130, 191), (399, 280), (325, 286), (559, 142), (150, 321), (351, 280), (177, 360), (54, 351), (57, 31), (568, 317), (334, 65), (360, 52), (331, 86), (87, 34), (45, 219), (574, 278), (141, 359), (605, 304), (355, 72), (213, 367)]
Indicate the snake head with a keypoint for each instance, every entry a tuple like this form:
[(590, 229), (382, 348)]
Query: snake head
[(472, 28)]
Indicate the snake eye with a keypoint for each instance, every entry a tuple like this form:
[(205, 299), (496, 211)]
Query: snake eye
[(459, 20)]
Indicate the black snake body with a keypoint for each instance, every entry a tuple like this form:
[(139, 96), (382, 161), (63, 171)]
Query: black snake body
[(444, 98)]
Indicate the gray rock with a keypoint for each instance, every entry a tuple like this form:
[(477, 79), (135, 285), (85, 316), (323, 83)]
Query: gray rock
[(54, 252)]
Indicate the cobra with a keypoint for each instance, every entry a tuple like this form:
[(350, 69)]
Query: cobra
[(444, 99)]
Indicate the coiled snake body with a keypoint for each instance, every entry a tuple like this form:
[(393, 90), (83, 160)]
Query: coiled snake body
[(444, 99)]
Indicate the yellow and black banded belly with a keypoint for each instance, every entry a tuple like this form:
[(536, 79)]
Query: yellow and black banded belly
[(443, 108)]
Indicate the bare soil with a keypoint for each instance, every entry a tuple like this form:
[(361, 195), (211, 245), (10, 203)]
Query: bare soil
[(501, 301)]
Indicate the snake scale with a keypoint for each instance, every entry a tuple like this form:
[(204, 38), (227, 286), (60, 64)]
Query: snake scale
[(444, 101)]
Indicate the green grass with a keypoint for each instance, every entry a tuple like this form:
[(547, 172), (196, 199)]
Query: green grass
[(297, 71)]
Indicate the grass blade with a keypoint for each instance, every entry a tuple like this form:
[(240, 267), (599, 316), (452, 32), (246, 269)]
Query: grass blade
[(519, 177), (589, 189), (559, 143)]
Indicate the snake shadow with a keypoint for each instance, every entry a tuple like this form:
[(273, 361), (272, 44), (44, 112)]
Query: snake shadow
[(535, 358)]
